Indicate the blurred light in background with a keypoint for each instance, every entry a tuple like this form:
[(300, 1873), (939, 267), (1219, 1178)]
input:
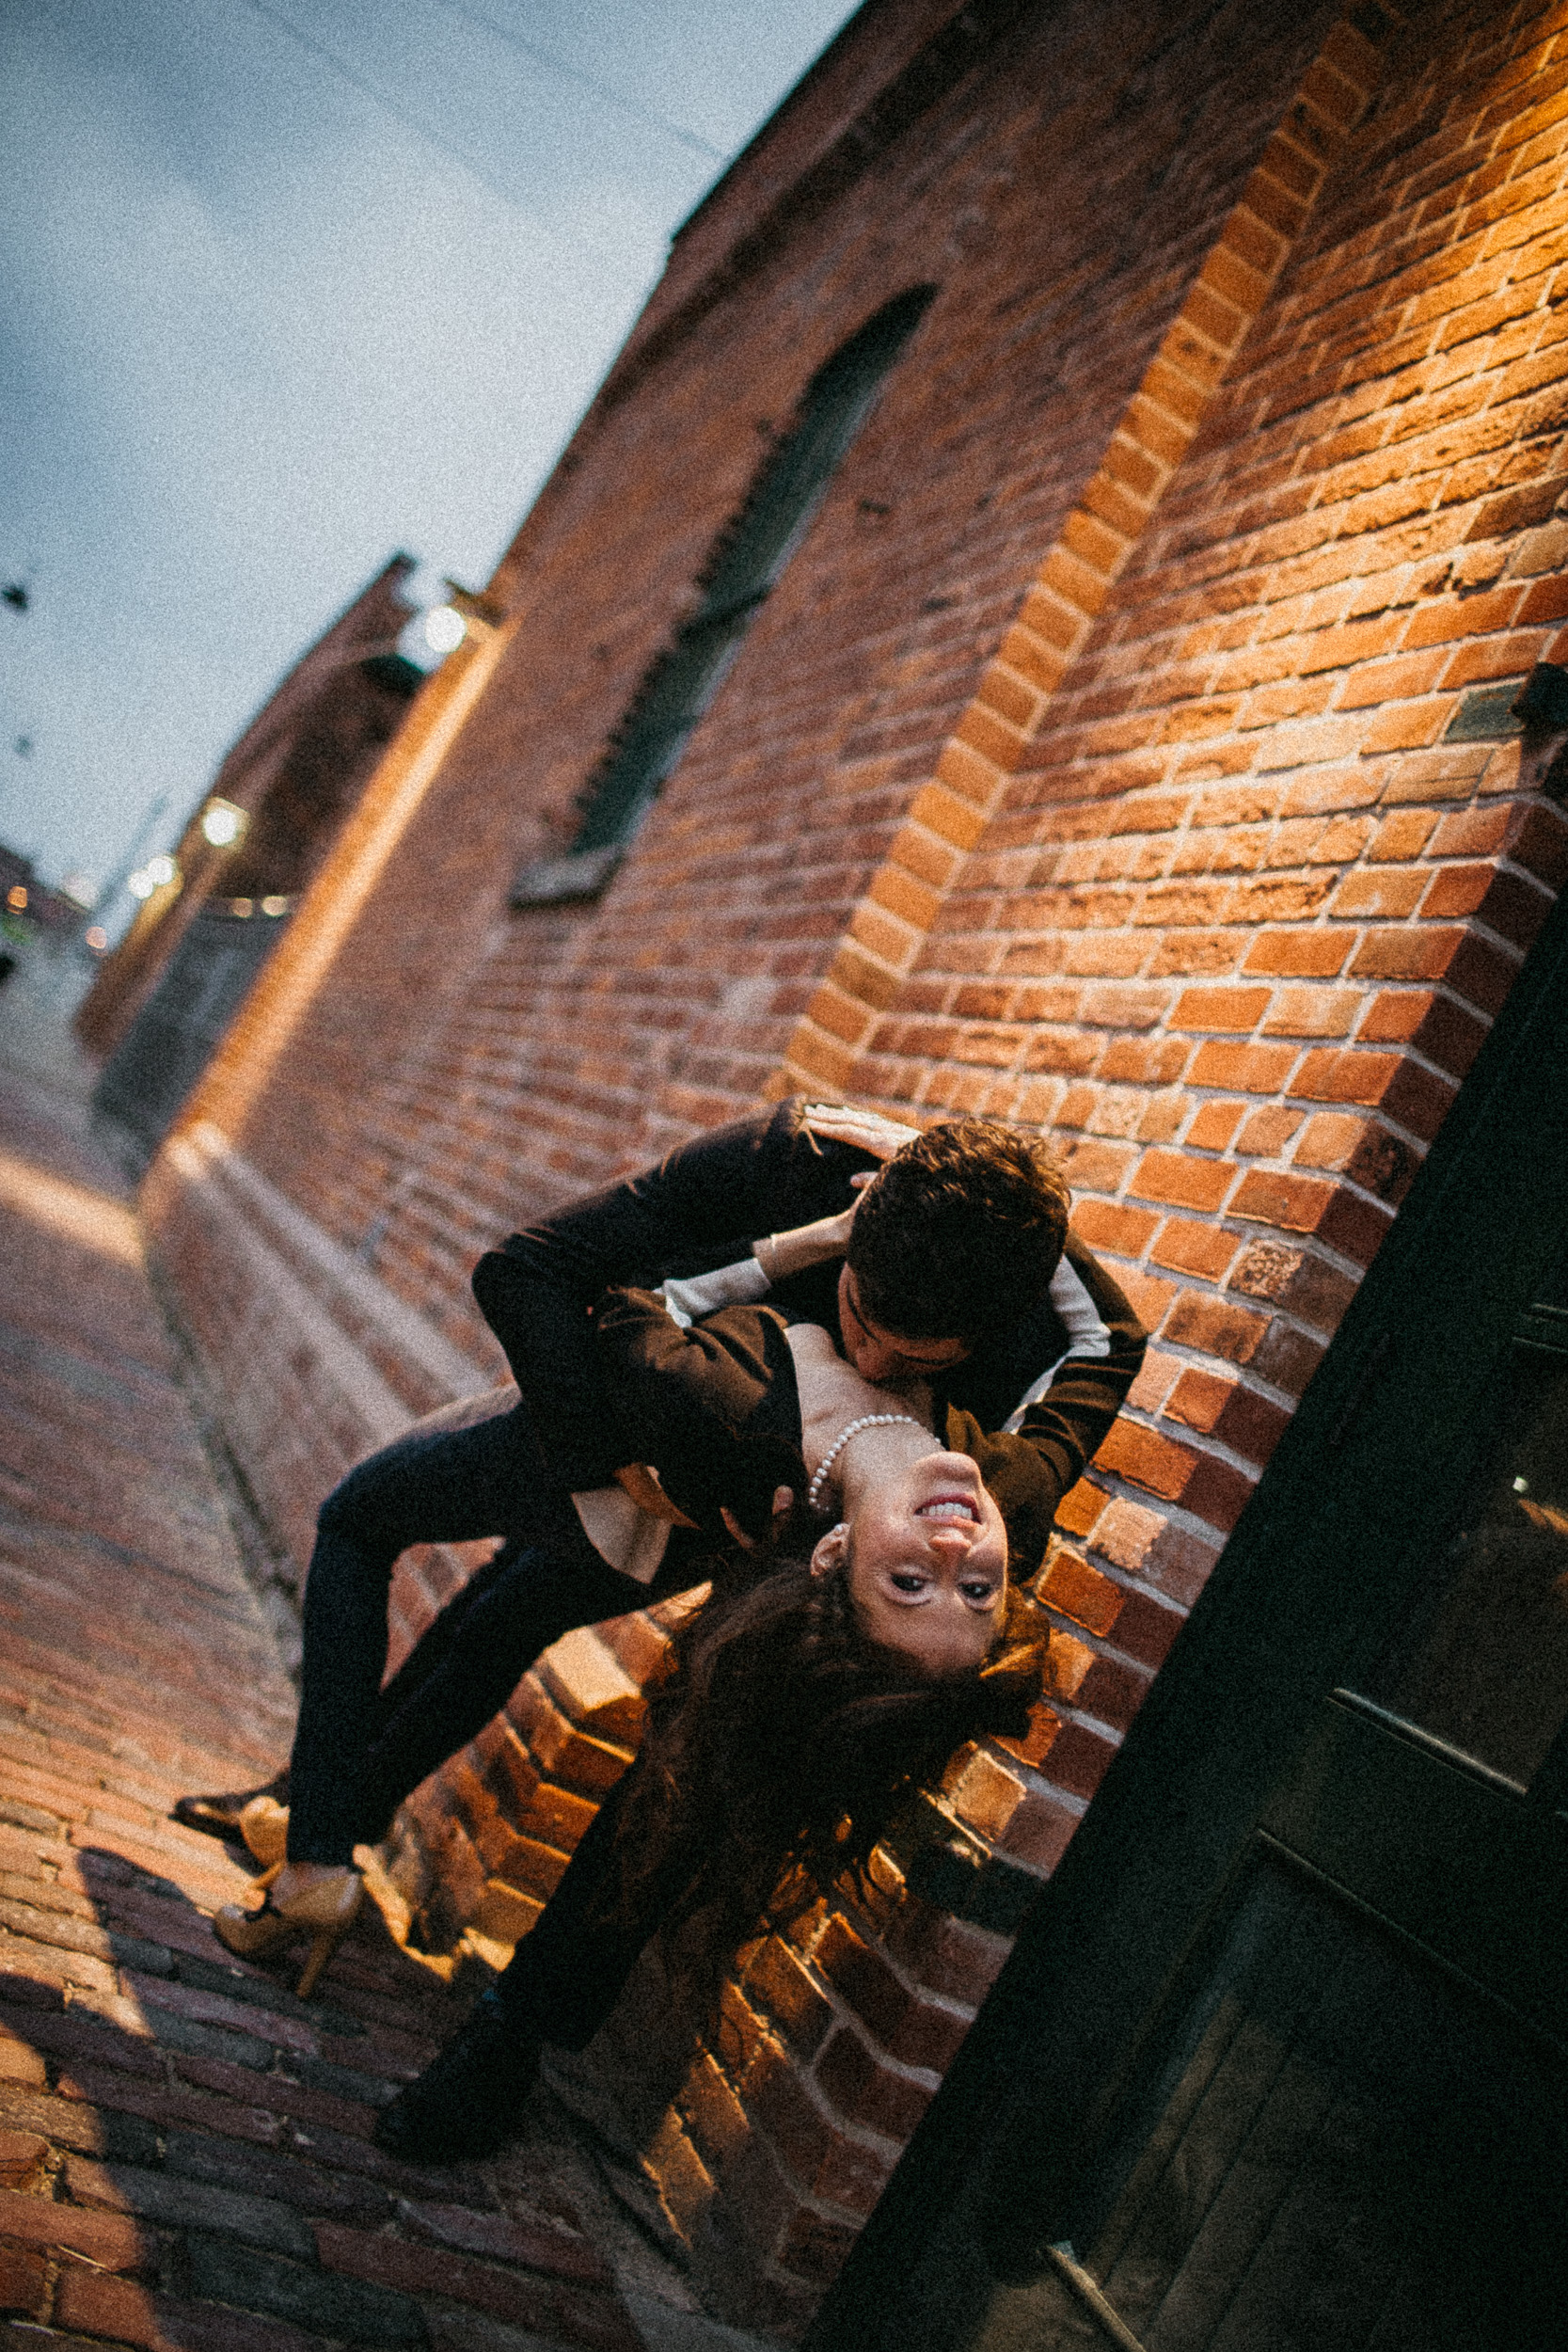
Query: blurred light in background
[(222, 823), (444, 629)]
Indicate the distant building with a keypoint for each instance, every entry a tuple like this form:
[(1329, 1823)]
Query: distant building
[(165, 996), (1059, 609), (30, 911)]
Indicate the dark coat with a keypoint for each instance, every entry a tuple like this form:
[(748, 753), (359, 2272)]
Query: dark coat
[(703, 1208)]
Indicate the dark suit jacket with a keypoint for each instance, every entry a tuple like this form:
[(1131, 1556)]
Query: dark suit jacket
[(703, 1208)]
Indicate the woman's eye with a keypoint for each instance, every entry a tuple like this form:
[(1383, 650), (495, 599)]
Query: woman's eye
[(908, 1581), (982, 1594)]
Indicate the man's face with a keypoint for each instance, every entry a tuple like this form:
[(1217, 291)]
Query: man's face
[(881, 1355)]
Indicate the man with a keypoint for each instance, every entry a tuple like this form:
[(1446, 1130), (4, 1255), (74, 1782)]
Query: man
[(939, 1259)]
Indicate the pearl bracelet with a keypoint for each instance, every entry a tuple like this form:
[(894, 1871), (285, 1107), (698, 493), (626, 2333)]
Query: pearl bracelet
[(866, 1420)]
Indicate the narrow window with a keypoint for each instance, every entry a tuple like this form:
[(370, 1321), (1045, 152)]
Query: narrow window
[(740, 574)]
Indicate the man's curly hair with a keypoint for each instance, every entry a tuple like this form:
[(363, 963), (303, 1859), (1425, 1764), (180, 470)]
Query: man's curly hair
[(962, 1231)]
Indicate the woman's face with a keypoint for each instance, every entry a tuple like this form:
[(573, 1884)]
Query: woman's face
[(927, 1563)]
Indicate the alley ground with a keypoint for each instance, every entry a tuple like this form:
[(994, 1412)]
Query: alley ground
[(185, 2157)]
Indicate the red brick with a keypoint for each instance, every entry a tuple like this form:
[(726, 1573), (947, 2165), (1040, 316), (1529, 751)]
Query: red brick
[(526, 2300), (1080, 1592), (1147, 1459), (907, 2027), (1382, 891), (105, 2238), (1217, 1493), (1329, 1077), (1448, 1034), (1298, 1203), (983, 1793), (100, 2306), (865, 2091), (1080, 1760), (1146, 1631), (1113, 1693), (1405, 955), (1214, 1328), (1479, 973), (1080, 1507), (1199, 1398), (1330, 1141), (779, 1984), (1111, 1225), (22, 2280), (1538, 841), (1233, 1008), (1186, 1183), (1317, 954), (1213, 1126), (1194, 1249)]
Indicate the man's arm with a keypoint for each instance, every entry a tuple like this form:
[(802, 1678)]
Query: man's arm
[(1066, 1414), (700, 1208)]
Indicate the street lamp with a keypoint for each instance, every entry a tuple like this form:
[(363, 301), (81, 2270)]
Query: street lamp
[(463, 614)]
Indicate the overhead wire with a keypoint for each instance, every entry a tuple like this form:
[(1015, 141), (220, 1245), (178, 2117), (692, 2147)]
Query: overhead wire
[(421, 130), (589, 81)]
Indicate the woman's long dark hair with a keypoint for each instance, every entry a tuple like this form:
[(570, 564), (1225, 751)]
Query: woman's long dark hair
[(781, 1747)]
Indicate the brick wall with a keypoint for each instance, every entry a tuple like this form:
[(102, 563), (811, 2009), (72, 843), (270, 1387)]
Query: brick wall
[(1115, 755)]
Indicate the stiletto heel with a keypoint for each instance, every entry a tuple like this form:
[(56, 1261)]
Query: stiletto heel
[(323, 1944), (325, 1910)]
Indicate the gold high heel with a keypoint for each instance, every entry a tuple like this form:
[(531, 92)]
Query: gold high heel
[(264, 1827), (325, 1910)]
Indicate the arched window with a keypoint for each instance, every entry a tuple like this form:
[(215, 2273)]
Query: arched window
[(740, 574)]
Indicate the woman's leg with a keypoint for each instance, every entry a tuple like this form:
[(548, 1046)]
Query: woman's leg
[(561, 1986), (430, 1486)]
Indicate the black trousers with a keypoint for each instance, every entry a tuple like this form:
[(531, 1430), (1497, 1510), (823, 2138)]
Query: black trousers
[(360, 1749)]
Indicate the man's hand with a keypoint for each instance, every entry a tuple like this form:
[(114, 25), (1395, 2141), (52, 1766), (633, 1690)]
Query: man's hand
[(783, 1498), (641, 1481)]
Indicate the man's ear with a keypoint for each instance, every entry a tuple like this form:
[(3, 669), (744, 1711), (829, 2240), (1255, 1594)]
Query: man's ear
[(831, 1552)]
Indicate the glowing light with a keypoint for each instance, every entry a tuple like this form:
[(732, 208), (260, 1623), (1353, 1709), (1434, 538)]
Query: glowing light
[(222, 823), (242, 907), (160, 870), (444, 629), (140, 885), (97, 938), (81, 890), (16, 897), (274, 905)]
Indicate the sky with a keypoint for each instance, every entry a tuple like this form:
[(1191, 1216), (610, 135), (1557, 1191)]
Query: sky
[(286, 286)]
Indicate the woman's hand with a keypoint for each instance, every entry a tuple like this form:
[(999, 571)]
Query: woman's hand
[(781, 1255), (868, 1130), (783, 1498)]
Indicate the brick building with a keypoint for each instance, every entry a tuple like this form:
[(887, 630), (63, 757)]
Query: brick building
[(1033, 623), (163, 997)]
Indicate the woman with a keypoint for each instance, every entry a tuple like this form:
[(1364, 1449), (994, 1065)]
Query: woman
[(746, 1420)]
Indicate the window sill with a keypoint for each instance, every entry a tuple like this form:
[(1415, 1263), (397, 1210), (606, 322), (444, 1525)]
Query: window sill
[(557, 880)]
